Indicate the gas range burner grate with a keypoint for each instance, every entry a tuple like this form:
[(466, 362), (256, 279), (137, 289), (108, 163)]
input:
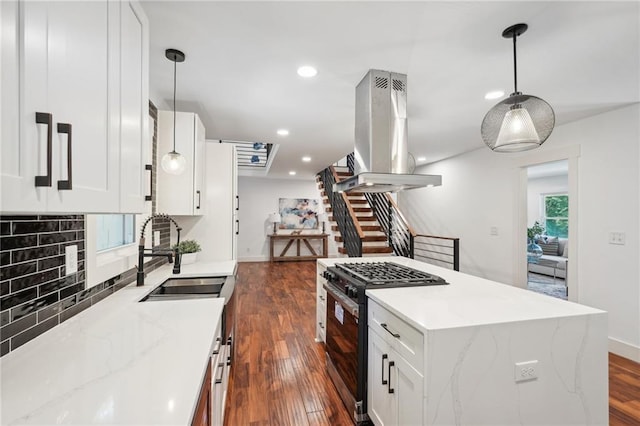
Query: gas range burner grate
[(381, 273)]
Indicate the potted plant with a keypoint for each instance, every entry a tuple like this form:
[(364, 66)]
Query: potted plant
[(188, 250), (534, 251)]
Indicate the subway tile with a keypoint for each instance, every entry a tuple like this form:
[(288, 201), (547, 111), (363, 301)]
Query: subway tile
[(86, 294), (81, 235), (20, 241), (101, 295), (15, 299), (9, 218), (17, 326), (13, 271), (4, 348), (35, 253), (49, 311), (45, 288), (50, 262), (5, 228), (71, 225), (79, 244), (67, 303), (62, 217), (33, 332), (59, 237), (34, 279), (5, 258), (33, 305), (36, 227), (70, 290), (74, 310), (5, 318), (4, 288)]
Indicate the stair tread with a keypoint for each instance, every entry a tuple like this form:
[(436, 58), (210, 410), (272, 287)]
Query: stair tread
[(367, 238), (370, 249), (363, 227)]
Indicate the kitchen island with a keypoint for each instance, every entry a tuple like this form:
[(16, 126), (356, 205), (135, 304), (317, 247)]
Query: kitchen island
[(479, 352), (118, 362)]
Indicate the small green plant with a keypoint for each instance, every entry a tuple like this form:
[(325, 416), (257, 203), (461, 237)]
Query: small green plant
[(187, 246), (536, 229)]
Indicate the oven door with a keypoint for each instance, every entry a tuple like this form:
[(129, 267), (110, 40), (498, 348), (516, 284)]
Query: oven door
[(345, 349)]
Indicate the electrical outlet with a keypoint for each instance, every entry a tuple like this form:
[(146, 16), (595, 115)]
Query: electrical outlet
[(526, 371), (617, 238), (156, 238), (71, 259)]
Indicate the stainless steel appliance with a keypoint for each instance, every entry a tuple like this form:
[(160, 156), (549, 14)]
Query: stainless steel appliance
[(346, 338), (381, 154)]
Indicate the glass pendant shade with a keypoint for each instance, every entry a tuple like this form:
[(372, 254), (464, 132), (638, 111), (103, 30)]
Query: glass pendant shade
[(173, 163), (518, 123)]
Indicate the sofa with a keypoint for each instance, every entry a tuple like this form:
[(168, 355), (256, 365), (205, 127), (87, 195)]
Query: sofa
[(555, 249)]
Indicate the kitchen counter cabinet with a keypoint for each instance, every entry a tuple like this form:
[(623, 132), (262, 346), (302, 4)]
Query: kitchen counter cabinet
[(474, 332), (119, 362), (202, 416)]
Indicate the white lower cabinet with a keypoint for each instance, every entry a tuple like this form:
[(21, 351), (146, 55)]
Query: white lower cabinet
[(394, 385), (321, 305)]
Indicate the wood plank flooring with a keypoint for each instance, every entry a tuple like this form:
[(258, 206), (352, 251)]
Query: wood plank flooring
[(279, 373)]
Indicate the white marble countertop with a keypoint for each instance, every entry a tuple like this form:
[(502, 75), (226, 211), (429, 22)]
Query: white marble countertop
[(118, 362), (467, 300)]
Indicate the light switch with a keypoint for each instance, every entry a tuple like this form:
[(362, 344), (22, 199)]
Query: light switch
[(493, 231), (618, 238), (156, 238)]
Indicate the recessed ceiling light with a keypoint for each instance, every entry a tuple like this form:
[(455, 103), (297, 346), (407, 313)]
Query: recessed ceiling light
[(283, 132), (306, 159), (421, 159), (292, 172), (307, 71), (494, 94)]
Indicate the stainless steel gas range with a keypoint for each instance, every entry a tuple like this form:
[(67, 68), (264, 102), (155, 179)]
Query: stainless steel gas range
[(346, 338)]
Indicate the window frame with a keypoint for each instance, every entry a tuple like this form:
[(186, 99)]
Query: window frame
[(543, 210)]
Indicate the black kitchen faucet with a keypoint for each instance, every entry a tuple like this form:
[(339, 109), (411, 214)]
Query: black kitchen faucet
[(169, 254)]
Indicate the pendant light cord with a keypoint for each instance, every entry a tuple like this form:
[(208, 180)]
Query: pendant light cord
[(175, 63), (515, 64)]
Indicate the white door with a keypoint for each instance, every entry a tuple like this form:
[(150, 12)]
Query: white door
[(407, 385), (199, 169), (135, 145), (83, 92), (380, 403)]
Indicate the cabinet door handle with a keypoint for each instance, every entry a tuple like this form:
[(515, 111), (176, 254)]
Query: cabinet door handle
[(198, 194), (321, 325), (237, 226), (396, 335), (391, 364), (218, 380), (149, 167), (321, 297), (64, 185), (384, 356), (46, 118), (237, 202)]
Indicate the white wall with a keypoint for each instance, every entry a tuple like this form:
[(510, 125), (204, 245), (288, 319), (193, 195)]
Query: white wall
[(480, 190), (541, 186), (258, 198)]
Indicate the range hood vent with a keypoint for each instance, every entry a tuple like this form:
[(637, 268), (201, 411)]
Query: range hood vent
[(380, 154)]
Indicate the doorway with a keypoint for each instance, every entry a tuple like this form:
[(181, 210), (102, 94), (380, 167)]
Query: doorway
[(548, 228)]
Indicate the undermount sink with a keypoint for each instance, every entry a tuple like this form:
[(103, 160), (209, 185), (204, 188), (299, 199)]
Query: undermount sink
[(186, 288)]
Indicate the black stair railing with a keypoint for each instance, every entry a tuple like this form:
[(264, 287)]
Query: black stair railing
[(343, 215), (400, 236), (441, 251)]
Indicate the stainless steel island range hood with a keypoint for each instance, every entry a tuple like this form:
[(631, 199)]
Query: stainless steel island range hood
[(381, 155)]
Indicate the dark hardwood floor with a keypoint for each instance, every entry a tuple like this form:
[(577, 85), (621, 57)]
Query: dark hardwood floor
[(279, 374)]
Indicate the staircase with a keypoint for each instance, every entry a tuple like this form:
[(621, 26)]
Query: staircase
[(373, 238)]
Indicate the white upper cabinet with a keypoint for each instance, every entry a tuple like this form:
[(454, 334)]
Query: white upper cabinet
[(81, 73), (183, 194)]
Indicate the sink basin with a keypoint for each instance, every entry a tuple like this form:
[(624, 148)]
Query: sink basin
[(186, 288)]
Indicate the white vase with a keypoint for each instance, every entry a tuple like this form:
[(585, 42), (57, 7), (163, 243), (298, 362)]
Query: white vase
[(188, 258)]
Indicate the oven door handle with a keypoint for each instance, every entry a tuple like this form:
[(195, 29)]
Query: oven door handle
[(348, 304)]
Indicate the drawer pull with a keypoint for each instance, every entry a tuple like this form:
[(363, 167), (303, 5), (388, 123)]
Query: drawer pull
[(149, 167), (218, 380), (396, 335), (391, 364), (384, 356)]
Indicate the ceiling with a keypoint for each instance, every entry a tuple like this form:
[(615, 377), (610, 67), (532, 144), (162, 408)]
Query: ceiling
[(241, 61)]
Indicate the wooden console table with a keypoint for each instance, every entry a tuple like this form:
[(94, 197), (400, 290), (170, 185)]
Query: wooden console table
[(298, 239)]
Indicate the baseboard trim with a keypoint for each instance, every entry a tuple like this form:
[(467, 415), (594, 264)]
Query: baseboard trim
[(254, 259), (624, 349)]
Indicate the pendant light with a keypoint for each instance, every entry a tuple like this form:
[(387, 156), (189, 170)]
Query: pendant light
[(172, 162), (520, 122)]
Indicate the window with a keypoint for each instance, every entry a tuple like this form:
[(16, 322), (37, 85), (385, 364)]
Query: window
[(556, 215), (114, 230)]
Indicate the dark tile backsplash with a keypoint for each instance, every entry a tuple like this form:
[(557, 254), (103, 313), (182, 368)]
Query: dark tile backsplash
[(35, 292)]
